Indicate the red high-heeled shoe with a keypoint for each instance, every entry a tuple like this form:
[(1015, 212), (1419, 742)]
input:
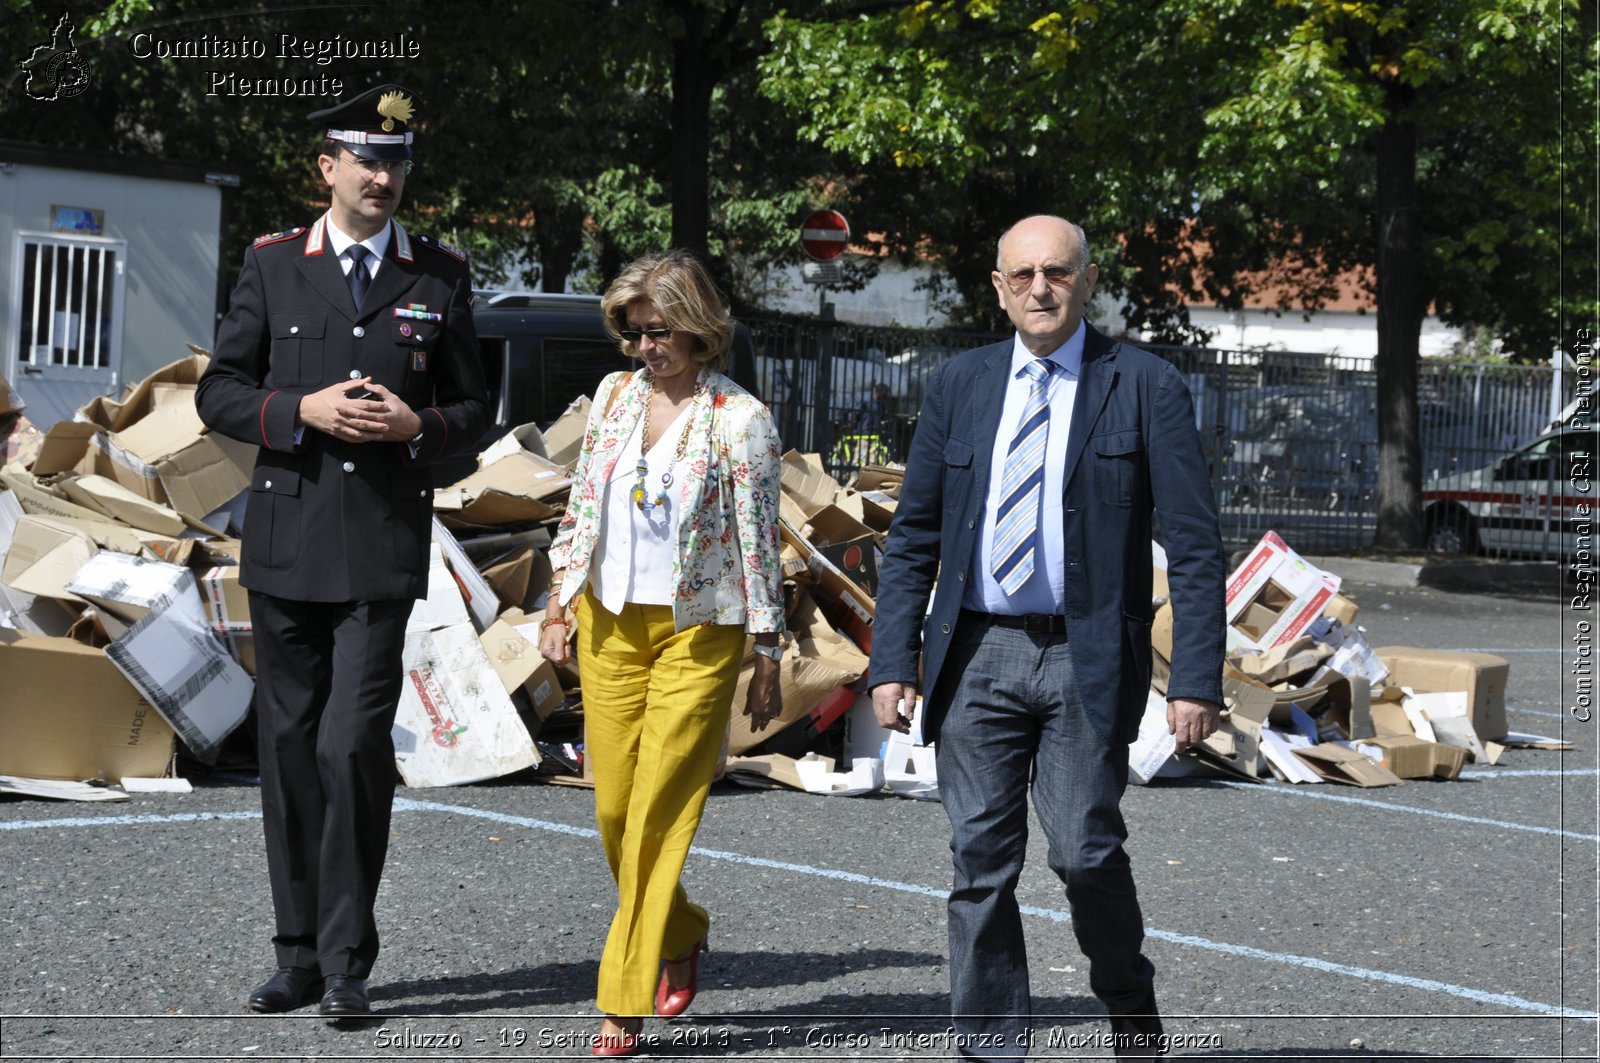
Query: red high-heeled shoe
[(627, 1043), (671, 1002)]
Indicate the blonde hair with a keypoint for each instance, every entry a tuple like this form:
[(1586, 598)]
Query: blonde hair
[(680, 287)]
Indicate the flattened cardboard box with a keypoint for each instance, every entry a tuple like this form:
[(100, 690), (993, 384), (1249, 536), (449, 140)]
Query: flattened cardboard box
[(68, 713), (154, 444), (518, 487), (565, 438), (853, 608), (806, 481), (456, 723), (1337, 763), (43, 557), (172, 657), (815, 689), (520, 666), (118, 503), (1411, 757)]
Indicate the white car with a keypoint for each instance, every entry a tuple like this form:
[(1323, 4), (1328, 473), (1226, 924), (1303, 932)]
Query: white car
[(1523, 504)]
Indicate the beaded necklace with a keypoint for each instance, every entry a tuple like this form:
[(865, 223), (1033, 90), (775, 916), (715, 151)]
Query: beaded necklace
[(640, 494)]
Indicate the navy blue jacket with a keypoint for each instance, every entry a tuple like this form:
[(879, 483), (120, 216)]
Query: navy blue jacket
[(1133, 450)]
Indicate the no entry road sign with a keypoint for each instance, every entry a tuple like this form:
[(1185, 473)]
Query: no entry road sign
[(823, 234)]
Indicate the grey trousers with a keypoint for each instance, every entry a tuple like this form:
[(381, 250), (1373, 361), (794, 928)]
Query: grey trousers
[(1015, 717)]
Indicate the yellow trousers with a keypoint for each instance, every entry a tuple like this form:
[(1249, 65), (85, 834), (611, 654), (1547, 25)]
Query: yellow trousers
[(655, 705)]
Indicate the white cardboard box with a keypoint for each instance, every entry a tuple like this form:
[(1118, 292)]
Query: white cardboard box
[(456, 723), (443, 606), (175, 661), (1274, 595)]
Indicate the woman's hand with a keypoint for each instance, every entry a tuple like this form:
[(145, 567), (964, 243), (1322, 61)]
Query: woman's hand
[(765, 700), (554, 637)]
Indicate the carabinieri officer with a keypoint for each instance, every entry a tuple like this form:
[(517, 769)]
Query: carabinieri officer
[(348, 355)]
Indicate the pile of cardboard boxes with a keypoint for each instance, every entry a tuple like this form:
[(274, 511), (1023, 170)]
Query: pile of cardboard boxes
[(1310, 701), (125, 636)]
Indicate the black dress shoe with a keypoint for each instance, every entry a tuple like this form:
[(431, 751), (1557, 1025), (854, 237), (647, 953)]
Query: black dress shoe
[(344, 996), (1137, 1037), (290, 988)]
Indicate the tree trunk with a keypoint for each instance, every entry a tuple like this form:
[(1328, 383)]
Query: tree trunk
[(692, 81), (557, 239), (1399, 335)]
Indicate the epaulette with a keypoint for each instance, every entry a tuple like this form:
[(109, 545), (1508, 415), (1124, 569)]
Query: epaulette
[(439, 245), (273, 238)]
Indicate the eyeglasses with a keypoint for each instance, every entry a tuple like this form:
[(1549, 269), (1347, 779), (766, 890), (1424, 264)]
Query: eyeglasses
[(373, 167), (633, 335), (1021, 279)]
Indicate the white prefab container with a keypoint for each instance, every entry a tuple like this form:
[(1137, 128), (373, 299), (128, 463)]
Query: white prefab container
[(109, 265)]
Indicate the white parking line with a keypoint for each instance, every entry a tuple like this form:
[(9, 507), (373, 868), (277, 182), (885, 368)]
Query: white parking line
[(1502, 650), (1295, 791), (1429, 985), (1368, 974), (1529, 773), (124, 821)]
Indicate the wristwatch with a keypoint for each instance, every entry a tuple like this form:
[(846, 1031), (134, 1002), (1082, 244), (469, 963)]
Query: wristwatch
[(772, 653), (415, 441)]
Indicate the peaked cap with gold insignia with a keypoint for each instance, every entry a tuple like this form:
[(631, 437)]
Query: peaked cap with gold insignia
[(375, 124)]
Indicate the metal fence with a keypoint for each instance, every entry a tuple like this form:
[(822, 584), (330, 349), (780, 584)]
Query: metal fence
[(1290, 439)]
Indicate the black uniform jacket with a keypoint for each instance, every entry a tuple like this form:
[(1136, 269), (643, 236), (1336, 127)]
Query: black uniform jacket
[(329, 520)]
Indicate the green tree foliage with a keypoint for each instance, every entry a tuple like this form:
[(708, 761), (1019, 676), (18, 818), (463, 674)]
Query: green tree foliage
[(961, 117), (1292, 140), (553, 132), (1439, 122)]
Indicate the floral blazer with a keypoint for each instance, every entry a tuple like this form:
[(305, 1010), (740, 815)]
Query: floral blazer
[(726, 568)]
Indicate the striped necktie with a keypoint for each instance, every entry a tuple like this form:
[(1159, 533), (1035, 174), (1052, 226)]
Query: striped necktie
[(1016, 526), (359, 274)]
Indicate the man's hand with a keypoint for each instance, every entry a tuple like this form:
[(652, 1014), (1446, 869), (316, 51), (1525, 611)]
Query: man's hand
[(381, 417), (1191, 720), (764, 702), (894, 704)]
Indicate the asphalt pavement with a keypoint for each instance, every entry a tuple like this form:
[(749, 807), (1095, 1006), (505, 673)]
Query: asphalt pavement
[(1434, 920)]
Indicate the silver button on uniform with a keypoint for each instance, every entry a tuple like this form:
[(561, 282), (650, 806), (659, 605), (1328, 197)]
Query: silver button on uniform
[(355, 374), (349, 466), (267, 485), (293, 329), (358, 332)]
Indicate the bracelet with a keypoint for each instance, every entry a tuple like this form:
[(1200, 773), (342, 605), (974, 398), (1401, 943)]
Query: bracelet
[(549, 620)]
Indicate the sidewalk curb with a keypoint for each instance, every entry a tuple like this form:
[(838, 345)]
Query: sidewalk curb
[(1467, 575)]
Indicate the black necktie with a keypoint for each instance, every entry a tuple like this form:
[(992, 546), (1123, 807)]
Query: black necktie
[(359, 274)]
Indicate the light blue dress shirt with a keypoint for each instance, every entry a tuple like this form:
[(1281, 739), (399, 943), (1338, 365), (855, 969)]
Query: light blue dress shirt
[(1043, 593)]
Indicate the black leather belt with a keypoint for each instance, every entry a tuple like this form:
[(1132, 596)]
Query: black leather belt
[(1032, 623)]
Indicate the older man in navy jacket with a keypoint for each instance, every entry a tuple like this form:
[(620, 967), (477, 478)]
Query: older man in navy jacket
[(1026, 511)]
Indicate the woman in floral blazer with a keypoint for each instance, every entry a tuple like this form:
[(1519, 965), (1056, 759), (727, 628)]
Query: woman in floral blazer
[(666, 557)]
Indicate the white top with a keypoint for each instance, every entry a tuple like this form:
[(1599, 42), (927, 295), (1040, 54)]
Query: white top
[(1043, 593), (637, 550)]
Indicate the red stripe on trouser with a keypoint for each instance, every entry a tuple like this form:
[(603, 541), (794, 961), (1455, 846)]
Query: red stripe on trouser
[(655, 705)]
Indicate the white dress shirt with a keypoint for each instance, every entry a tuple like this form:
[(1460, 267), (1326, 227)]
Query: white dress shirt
[(340, 242), (1043, 593)]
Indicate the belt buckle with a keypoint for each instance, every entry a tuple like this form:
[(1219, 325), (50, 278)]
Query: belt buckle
[(1037, 623)]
